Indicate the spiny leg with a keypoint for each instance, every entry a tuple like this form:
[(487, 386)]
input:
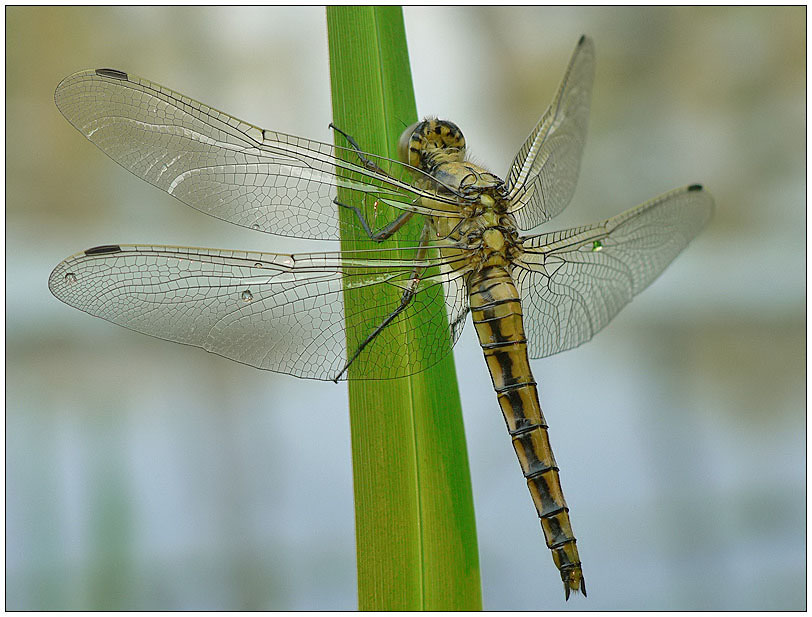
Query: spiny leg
[(383, 233), (405, 300), (387, 231), (359, 153)]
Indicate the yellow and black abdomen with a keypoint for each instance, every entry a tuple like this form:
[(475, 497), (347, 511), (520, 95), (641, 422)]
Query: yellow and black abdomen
[(497, 314)]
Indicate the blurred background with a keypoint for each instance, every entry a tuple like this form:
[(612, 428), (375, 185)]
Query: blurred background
[(146, 475)]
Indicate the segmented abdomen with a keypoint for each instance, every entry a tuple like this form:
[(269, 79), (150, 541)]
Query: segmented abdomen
[(497, 316)]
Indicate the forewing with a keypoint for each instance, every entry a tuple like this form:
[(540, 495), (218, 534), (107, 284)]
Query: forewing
[(228, 168), (542, 177), (573, 282), (282, 313)]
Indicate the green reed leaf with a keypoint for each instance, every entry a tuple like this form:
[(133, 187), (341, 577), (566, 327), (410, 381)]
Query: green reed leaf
[(414, 516)]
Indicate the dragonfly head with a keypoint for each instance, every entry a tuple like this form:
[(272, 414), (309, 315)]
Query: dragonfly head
[(432, 141)]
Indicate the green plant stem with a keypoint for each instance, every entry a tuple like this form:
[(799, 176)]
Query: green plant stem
[(414, 517)]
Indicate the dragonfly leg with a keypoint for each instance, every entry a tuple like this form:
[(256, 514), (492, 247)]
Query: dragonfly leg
[(394, 226), (383, 233), (405, 299), (360, 153)]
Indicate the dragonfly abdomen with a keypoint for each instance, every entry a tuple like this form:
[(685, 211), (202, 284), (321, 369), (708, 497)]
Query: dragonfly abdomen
[(497, 315)]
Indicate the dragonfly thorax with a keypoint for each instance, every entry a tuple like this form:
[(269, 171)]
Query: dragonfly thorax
[(491, 238), (494, 246)]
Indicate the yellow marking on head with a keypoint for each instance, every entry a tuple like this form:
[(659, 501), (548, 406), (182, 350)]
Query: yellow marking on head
[(425, 139)]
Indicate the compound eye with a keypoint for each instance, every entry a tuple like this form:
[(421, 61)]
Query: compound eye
[(451, 135), (405, 145)]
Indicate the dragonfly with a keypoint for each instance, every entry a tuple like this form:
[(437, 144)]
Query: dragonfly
[(340, 314)]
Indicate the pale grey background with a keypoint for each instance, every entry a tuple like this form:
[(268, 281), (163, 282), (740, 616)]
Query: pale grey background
[(147, 475)]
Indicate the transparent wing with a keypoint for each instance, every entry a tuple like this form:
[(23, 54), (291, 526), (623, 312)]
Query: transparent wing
[(573, 282), (283, 313), (228, 168), (542, 177)]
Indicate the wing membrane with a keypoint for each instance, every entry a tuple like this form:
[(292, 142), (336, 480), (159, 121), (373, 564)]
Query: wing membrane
[(573, 282), (228, 168), (282, 313), (542, 177)]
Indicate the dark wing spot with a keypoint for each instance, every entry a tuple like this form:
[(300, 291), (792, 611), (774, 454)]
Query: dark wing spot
[(112, 73), (582, 39), (104, 249), (695, 187)]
